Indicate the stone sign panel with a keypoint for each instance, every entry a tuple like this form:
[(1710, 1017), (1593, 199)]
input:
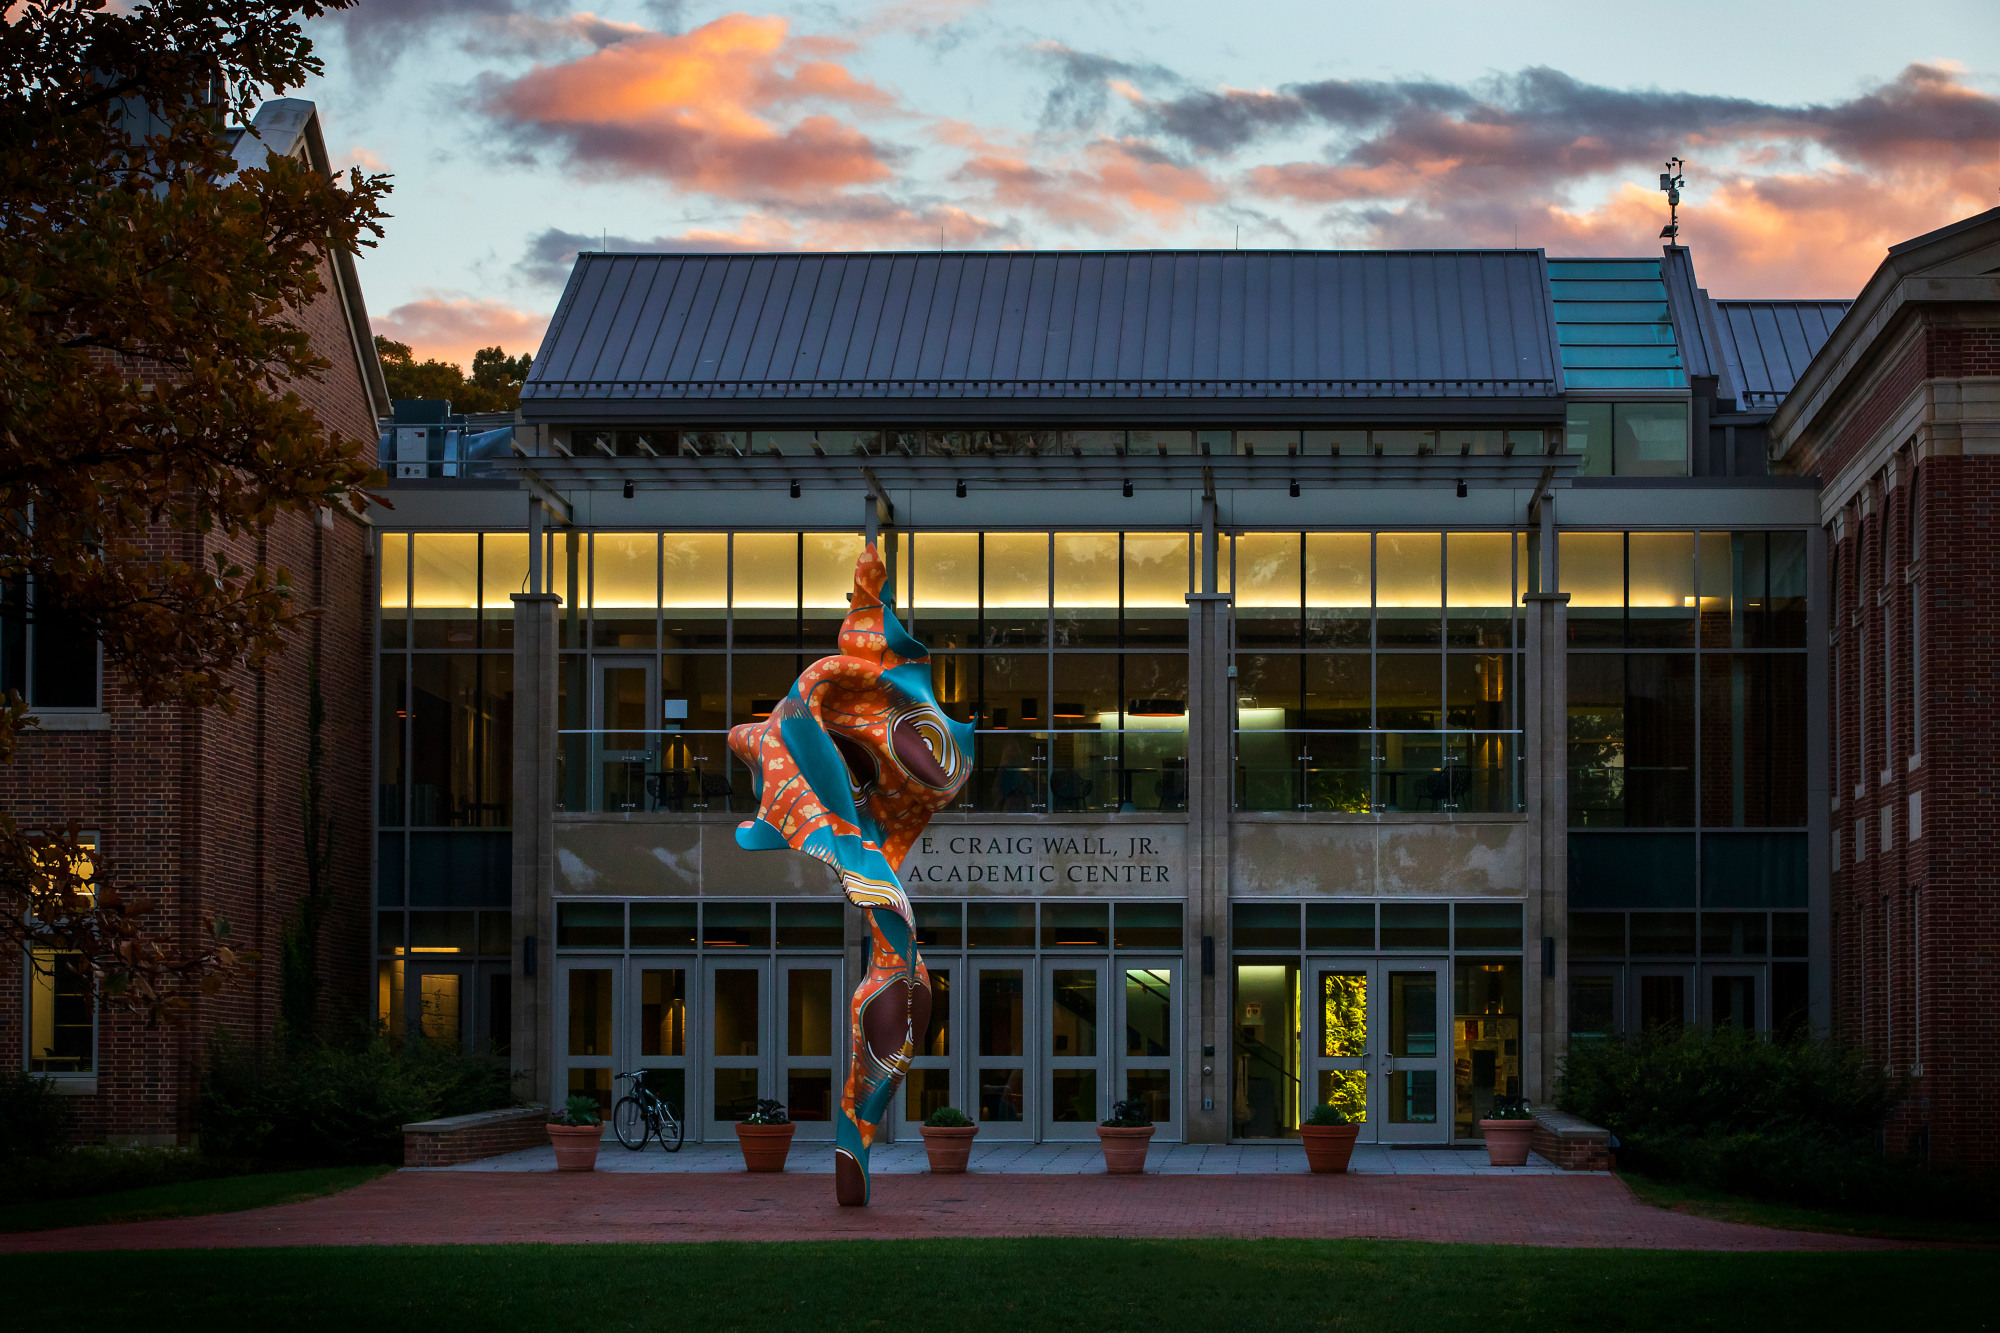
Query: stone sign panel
[(1048, 860)]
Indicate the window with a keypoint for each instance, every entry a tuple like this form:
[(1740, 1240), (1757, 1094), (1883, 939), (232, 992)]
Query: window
[(50, 660), (1376, 671), (62, 1015), (1629, 439)]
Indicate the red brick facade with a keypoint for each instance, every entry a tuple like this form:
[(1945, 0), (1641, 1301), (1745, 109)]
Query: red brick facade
[(1915, 593), (201, 808), (467, 1138)]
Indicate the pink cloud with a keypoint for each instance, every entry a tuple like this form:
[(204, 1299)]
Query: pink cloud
[(717, 109), (452, 328), (1102, 191)]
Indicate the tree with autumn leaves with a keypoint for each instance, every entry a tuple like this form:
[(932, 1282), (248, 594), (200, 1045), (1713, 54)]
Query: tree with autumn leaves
[(149, 366)]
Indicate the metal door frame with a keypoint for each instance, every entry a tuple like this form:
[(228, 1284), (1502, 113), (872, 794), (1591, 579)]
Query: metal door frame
[(954, 1061), (600, 751), (1635, 975), (630, 1053), (710, 1060), (1123, 1061), (1759, 975), (564, 1061), (1023, 1129), (782, 1061), (1441, 1062), (1043, 1052), (1370, 1062)]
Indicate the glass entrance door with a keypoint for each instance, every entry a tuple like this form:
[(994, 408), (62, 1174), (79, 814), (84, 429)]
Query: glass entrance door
[(439, 1001), (811, 1063), (1004, 1090), (1415, 1056), (1074, 1006), (929, 1084), (1375, 1045), (1340, 1040), (659, 999), (622, 750), (586, 1021), (737, 1040), (1150, 1042)]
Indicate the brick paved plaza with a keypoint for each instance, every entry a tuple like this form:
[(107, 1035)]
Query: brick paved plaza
[(496, 1207)]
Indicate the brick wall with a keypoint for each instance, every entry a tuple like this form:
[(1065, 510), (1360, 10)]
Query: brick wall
[(1916, 920), (200, 809), (471, 1137)]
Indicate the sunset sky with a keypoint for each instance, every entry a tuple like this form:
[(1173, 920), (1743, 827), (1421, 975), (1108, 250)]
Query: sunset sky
[(520, 131)]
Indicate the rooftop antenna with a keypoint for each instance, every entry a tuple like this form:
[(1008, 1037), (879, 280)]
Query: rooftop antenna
[(1671, 181)]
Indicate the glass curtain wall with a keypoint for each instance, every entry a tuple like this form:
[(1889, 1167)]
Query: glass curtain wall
[(444, 776), (1067, 651), (1377, 671), (1687, 778)]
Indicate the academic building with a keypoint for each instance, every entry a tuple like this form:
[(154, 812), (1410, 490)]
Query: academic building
[(1388, 669)]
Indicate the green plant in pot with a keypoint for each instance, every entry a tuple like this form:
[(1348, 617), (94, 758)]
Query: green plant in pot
[(1125, 1137), (948, 1133), (1328, 1135), (765, 1135), (1508, 1129), (575, 1132)]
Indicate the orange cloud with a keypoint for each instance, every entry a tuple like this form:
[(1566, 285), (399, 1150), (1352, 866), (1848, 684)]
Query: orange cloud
[(452, 328), (714, 110), (1116, 179)]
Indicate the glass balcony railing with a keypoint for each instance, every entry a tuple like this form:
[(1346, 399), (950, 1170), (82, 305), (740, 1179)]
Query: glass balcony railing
[(1378, 772), (1014, 772)]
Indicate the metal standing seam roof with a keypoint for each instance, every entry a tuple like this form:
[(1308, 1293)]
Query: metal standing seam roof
[(1043, 324), (1767, 345)]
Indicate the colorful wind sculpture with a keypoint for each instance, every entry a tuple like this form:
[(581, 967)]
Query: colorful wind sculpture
[(850, 767)]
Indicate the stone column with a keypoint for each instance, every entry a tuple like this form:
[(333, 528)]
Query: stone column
[(535, 748), (1545, 782)]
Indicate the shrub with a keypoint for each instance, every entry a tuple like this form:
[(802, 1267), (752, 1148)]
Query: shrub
[(1128, 1115), (73, 1173), (34, 1119), (1792, 1121), (1326, 1113), (311, 1103), (768, 1112), (948, 1117), (579, 1112)]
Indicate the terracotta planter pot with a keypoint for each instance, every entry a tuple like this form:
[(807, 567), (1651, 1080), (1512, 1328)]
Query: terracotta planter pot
[(1328, 1147), (948, 1148), (576, 1146), (765, 1147), (1124, 1149), (1507, 1141)]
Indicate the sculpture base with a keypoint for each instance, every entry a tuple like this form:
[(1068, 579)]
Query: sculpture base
[(850, 1185)]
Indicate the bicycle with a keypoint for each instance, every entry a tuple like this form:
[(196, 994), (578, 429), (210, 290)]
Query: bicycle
[(640, 1115)]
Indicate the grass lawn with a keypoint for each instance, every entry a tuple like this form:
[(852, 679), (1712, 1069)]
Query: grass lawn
[(224, 1194), (1735, 1208), (1022, 1286)]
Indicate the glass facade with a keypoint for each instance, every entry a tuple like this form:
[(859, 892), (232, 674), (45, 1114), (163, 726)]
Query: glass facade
[(1687, 778), (1377, 672)]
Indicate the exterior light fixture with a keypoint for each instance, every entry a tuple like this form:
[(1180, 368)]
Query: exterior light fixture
[(1461, 488), (1128, 490), (1295, 489), (961, 490), (795, 490), (628, 490)]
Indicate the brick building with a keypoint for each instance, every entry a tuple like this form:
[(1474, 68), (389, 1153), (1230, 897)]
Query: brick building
[(1898, 418), (199, 807)]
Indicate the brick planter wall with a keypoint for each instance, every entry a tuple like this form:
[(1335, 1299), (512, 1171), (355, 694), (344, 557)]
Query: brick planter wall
[(467, 1138), (1570, 1143)]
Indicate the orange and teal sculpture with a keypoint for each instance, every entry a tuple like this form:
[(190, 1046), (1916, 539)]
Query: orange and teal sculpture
[(849, 768)]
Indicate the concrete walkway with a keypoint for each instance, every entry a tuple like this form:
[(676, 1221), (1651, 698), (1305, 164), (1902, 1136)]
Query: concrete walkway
[(503, 1207), (1030, 1159)]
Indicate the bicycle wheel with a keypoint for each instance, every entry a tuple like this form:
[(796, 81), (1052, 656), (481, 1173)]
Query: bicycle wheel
[(669, 1128), (630, 1123)]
